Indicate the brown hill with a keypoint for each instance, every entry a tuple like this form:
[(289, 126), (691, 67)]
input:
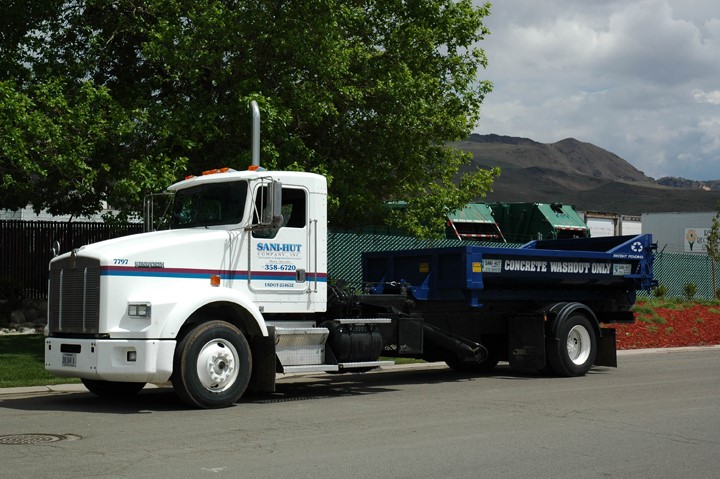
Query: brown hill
[(578, 173)]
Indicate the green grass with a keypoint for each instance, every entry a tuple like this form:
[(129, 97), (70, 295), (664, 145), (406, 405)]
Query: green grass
[(22, 362), (402, 360), (674, 303), (643, 309), (645, 313), (654, 318)]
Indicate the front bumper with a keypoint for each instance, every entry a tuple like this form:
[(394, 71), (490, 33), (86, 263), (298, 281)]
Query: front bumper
[(130, 360)]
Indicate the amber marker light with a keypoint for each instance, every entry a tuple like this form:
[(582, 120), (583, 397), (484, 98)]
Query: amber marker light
[(215, 280)]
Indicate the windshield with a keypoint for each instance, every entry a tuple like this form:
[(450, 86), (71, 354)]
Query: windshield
[(209, 204)]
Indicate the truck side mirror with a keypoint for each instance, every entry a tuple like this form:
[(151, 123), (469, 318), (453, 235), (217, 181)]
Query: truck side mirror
[(276, 191), (55, 248), (271, 214)]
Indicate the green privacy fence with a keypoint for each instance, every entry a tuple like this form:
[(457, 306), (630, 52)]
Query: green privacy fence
[(345, 249), (674, 271), (25, 253)]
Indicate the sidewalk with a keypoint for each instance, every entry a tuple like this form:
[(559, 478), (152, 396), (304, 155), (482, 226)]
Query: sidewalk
[(50, 389), (55, 388)]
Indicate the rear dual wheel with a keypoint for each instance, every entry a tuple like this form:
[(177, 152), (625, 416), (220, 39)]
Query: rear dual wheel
[(212, 365), (575, 351)]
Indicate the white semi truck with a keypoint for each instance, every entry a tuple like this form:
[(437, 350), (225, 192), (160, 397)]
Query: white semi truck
[(237, 291)]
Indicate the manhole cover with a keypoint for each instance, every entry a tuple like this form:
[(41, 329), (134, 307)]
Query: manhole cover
[(36, 438)]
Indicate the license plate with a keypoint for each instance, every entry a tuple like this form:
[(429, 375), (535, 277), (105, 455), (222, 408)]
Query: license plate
[(69, 360)]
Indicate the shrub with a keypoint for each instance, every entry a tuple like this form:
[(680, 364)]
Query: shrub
[(660, 291), (11, 294), (690, 290)]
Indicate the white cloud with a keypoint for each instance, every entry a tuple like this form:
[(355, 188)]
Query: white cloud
[(640, 79), (712, 97)]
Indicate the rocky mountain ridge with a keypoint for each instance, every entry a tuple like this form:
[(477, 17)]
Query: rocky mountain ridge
[(579, 173), (677, 182)]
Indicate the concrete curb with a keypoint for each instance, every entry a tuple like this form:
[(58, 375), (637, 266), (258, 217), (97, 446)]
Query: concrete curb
[(53, 388), (630, 352)]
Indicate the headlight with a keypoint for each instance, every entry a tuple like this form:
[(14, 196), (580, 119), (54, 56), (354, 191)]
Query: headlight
[(139, 310)]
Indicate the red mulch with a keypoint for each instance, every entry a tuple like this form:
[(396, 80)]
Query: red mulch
[(696, 325)]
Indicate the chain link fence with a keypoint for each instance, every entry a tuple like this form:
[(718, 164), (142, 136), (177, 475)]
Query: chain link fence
[(345, 250), (25, 253), (675, 270), (672, 270)]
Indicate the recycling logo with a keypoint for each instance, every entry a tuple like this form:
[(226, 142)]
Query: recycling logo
[(636, 247)]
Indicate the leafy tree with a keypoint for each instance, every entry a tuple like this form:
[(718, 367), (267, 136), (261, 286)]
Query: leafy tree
[(712, 245), (367, 93), (69, 152), (17, 20)]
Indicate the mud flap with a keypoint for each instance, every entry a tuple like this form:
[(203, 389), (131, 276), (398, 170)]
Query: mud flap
[(607, 348), (263, 356), (526, 342)]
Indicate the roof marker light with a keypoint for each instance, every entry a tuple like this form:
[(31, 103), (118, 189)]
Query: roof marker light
[(217, 170)]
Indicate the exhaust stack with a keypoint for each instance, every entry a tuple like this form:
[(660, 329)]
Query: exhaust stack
[(255, 133)]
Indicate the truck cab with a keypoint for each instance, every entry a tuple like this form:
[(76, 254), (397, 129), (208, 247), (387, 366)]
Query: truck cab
[(229, 293)]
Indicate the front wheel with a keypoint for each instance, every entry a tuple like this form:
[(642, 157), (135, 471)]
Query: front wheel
[(574, 352), (212, 365)]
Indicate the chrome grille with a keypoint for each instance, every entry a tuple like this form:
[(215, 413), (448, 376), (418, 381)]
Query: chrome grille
[(74, 302)]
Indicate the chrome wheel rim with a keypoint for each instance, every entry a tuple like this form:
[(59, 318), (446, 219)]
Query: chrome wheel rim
[(217, 365), (578, 345)]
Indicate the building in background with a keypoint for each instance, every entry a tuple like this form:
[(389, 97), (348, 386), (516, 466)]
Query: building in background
[(611, 224), (679, 232)]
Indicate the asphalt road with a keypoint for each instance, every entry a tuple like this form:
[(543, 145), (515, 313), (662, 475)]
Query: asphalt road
[(656, 416)]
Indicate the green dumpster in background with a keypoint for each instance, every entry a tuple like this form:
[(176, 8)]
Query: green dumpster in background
[(522, 222), (474, 222), (515, 222)]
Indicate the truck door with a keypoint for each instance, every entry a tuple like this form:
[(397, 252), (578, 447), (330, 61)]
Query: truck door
[(280, 257)]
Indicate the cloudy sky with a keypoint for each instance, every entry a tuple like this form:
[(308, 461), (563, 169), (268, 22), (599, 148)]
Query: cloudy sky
[(640, 78)]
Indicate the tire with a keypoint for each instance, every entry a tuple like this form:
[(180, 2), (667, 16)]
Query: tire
[(111, 389), (212, 365), (574, 352)]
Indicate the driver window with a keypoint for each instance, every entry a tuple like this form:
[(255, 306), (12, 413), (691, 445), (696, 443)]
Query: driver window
[(294, 210)]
